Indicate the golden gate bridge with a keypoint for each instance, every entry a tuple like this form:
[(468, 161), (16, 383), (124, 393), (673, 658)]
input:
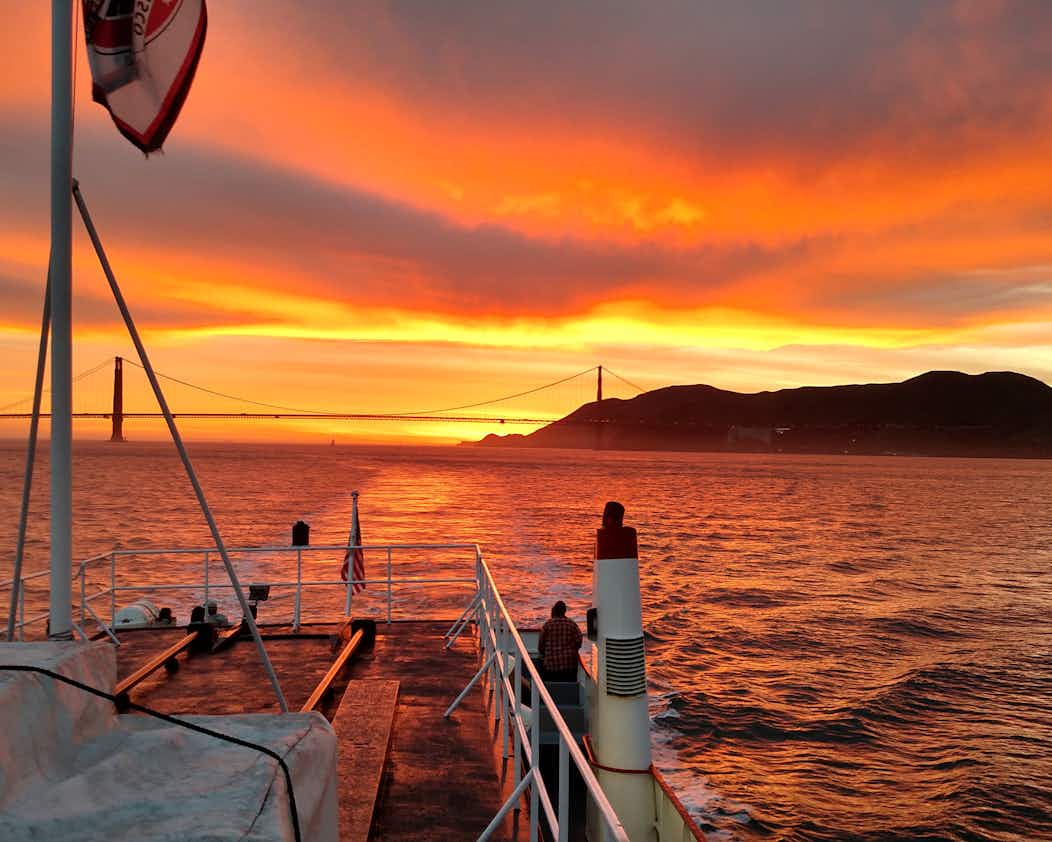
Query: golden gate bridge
[(117, 414)]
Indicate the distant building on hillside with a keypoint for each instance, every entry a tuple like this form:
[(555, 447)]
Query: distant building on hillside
[(739, 434)]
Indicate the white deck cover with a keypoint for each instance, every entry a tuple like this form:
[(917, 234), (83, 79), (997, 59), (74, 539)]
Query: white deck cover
[(43, 722), (72, 773)]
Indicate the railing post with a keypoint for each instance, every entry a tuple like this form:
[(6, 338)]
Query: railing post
[(498, 702), (207, 555), (299, 590), (484, 624), (564, 790), (491, 636), (466, 690), (490, 650), (513, 799), (113, 588), (83, 597), (479, 589), (504, 701), (22, 609), (516, 703), (388, 586), (535, 757)]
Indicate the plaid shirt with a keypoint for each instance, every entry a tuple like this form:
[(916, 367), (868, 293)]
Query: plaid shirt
[(558, 644)]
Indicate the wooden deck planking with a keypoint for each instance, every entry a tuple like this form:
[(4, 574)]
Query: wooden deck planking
[(363, 724), (227, 682), (443, 779)]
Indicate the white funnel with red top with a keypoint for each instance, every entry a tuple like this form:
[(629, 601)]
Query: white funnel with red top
[(621, 721)]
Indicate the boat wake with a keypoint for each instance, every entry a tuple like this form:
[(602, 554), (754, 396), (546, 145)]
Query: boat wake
[(718, 817)]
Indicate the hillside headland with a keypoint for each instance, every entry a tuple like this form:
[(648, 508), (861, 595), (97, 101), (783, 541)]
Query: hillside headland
[(940, 413)]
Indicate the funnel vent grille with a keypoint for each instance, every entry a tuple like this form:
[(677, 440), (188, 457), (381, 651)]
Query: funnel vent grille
[(626, 673)]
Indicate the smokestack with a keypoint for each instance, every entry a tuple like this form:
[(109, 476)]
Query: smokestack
[(621, 726)]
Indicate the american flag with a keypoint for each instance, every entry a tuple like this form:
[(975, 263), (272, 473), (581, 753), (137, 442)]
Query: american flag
[(359, 558)]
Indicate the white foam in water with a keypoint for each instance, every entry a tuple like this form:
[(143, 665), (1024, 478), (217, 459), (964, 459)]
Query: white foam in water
[(548, 584), (661, 706), (706, 806)]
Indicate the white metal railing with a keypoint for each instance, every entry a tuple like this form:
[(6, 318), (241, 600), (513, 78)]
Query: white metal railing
[(107, 566), (505, 656), (22, 622)]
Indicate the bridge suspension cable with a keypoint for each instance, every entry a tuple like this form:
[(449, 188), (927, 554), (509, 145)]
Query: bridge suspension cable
[(417, 412), (639, 389), (504, 398), (87, 373), (225, 395)]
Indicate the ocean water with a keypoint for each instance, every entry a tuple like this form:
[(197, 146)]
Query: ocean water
[(838, 647)]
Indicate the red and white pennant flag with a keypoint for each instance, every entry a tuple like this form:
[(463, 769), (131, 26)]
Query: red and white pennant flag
[(143, 54)]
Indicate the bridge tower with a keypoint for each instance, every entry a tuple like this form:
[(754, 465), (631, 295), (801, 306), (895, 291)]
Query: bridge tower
[(118, 400), (598, 443)]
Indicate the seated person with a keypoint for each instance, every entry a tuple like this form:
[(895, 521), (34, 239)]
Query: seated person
[(558, 645), (165, 618), (205, 631), (214, 617)]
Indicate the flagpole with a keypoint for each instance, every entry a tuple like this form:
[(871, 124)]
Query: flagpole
[(350, 557), (61, 619)]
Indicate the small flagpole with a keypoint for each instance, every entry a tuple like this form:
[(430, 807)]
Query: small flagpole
[(61, 273), (350, 554)]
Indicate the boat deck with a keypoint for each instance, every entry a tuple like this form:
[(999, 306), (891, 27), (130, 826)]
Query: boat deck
[(233, 680), (443, 779)]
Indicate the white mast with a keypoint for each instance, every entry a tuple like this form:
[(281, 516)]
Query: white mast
[(61, 621)]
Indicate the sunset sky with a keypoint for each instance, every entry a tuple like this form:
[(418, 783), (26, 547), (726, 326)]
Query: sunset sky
[(371, 206)]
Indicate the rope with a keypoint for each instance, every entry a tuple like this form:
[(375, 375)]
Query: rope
[(208, 732)]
